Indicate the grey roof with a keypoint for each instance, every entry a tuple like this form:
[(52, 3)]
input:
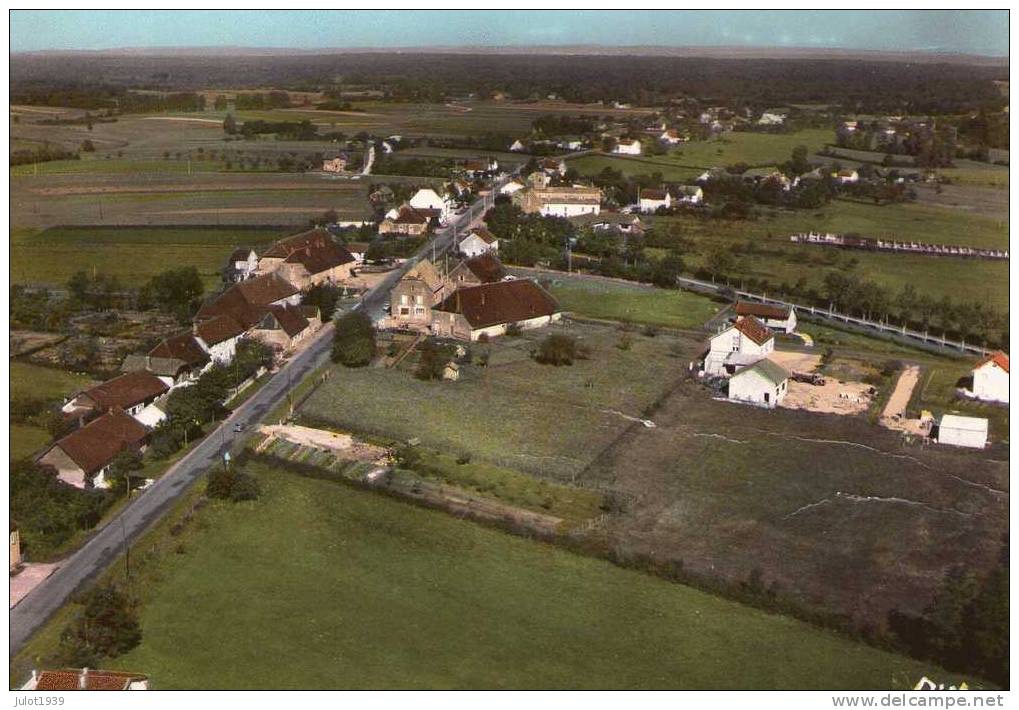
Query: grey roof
[(770, 370), (165, 366)]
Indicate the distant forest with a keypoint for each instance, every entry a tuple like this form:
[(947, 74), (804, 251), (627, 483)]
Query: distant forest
[(855, 85)]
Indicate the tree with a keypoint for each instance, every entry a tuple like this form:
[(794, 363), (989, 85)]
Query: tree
[(719, 262), (229, 125), (325, 297), (557, 349), (176, 291), (121, 467), (106, 627), (667, 270), (354, 340), (433, 359)]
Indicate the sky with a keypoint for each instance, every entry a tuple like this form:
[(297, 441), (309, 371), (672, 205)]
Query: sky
[(975, 32)]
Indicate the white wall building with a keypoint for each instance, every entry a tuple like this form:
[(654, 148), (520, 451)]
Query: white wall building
[(738, 346), (990, 378), (627, 146), (970, 432), (428, 199), (765, 384)]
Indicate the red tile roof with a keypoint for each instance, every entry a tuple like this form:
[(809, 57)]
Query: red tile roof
[(288, 319), (246, 301), (94, 680), (486, 267), (484, 235), (412, 215), (218, 329), (127, 390), (97, 443), (181, 347), (266, 289), (998, 358), (501, 302), (754, 329), (762, 310), (653, 194)]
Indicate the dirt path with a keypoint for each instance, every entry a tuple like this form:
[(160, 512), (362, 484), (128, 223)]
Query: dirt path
[(902, 392)]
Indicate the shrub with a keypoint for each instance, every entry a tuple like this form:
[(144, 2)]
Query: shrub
[(354, 340), (432, 363), (232, 484), (625, 342), (514, 330), (106, 627), (557, 349)]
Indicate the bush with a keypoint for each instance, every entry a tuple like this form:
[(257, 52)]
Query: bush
[(354, 341), (557, 349), (233, 484), (514, 330), (106, 627), (432, 363)]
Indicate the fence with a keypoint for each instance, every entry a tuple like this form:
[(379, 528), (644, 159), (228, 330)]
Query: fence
[(901, 333)]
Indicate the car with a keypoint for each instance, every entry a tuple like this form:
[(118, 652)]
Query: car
[(238, 427)]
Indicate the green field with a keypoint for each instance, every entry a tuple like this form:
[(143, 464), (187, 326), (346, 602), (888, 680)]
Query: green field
[(34, 381), (549, 421), (26, 440), (133, 254), (379, 594), (599, 299), (691, 159), (116, 166)]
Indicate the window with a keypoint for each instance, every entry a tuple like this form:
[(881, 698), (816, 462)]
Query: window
[(767, 396), (419, 300), (404, 311), (403, 299)]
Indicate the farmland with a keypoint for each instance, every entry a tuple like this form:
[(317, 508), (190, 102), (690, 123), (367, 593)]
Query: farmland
[(380, 594), (132, 254), (31, 381)]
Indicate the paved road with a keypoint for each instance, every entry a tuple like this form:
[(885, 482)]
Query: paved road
[(87, 563)]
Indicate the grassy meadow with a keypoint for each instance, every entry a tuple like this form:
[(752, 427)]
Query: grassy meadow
[(34, 381), (380, 594), (619, 302)]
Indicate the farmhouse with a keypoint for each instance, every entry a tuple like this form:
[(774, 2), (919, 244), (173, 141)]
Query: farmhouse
[(483, 269), (414, 295), (336, 164), (518, 147), (218, 336), (559, 201), (511, 187), (308, 259), (186, 349), (481, 167), (671, 137), (688, 195), (653, 200), (242, 265), (955, 430), (990, 378), (468, 313), (627, 146), (780, 318), (765, 384), (406, 220), (738, 346), (283, 327), (85, 679), (83, 457), (133, 392), (357, 250), (478, 241), (552, 166), (773, 117), (428, 199), (613, 222)]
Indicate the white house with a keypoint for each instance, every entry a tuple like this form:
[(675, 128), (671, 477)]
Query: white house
[(518, 147), (653, 200), (781, 318), (765, 384), (990, 378), (559, 201), (242, 265), (627, 146), (671, 137), (489, 309), (511, 187), (428, 199), (218, 336), (478, 241), (738, 346), (846, 177), (135, 393), (772, 118), (689, 195), (963, 431)]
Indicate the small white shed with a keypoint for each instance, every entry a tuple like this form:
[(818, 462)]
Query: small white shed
[(963, 431)]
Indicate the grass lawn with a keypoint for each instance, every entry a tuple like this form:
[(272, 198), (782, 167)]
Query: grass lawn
[(374, 593), (29, 380), (606, 300), (545, 420), (133, 254), (118, 166), (26, 439)]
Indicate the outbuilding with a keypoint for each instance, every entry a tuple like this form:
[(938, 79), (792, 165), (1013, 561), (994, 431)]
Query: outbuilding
[(765, 384), (962, 431)]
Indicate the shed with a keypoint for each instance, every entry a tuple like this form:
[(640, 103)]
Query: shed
[(764, 383), (963, 431)]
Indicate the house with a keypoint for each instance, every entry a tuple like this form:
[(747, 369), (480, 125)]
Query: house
[(406, 221), (308, 259), (218, 336), (990, 378), (765, 384), (482, 269), (170, 370), (247, 301), (283, 327), (83, 457), (428, 199), (518, 147), (551, 166), (478, 241), (85, 679), (688, 195), (186, 349), (559, 201), (627, 146), (336, 164), (469, 313), (709, 175), (133, 392), (780, 318), (511, 187), (612, 222), (741, 344), (772, 117), (242, 265), (654, 200), (481, 167), (846, 176), (672, 137), (955, 430), (413, 296)]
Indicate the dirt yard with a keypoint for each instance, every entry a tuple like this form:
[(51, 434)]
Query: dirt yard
[(796, 362), (350, 447), (833, 397), (894, 414)]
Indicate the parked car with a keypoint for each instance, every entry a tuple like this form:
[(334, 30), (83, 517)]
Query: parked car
[(810, 378)]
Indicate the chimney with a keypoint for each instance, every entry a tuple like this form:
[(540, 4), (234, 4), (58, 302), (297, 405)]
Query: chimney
[(83, 679)]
